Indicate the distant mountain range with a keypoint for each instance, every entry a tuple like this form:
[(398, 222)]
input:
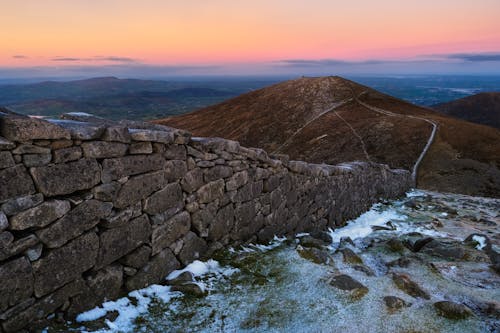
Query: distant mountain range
[(334, 120), (113, 98), (483, 108)]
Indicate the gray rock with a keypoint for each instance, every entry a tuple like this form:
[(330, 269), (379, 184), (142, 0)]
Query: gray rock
[(81, 130), (6, 238), (140, 187), (155, 271), (116, 133), (194, 248), (17, 282), (347, 283), (317, 256), (22, 128), (237, 180), (308, 241), (350, 257), (166, 198), (4, 222), (117, 242), (117, 168), (404, 283), (181, 279), (34, 160), (141, 148), (175, 152), (395, 245), (17, 247), (192, 180), (19, 204), (104, 149), (152, 135), (189, 288), (40, 215), (60, 179), (106, 192), (249, 191), (138, 258), (14, 182), (6, 144), (65, 264), (6, 159), (34, 253), (203, 218), (218, 172), (67, 154), (175, 170), (211, 191), (30, 149), (362, 268), (80, 219), (119, 218), (452, 310), (394, 303), (165, 234), (223, 223)]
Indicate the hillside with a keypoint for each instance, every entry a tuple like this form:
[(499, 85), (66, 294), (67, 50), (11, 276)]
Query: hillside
[(331, 120), (483, 108)]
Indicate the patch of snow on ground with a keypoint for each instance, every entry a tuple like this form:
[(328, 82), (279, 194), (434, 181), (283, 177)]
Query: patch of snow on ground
[(480, 240)]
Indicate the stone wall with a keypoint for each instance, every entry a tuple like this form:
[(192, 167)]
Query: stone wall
[(90, 209)]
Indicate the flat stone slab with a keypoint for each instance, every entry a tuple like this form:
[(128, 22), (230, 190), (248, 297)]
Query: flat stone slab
[(80, 130), (22, 128), (60, 179), (14, 182)]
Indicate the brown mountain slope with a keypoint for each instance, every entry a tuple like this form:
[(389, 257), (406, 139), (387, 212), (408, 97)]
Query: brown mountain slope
[(483, 108), (332, 120)]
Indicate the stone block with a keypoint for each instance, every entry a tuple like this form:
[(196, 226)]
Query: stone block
[(14, 182), (194, 248), (22, 128), (117, 168), (218, 172), (211, 191), (141, 148), (192, 180), (81, 130), (119, 218), (6, 144), (117, 242), (175, 152), (140, 187), (34, 160), (17, 247), (175, 169), (4, 222), (249, 191), (40, 215), (30, 149), (80, 219), (67, 154), (168, 232), (106, 192), (104, 149), (203, 218), (138, 258), (154, 271), (237, 180), (152, 135), (223, 223), (117, 133), (166, 198), (6, 159), (65, 264), (17, 282), (60, 179)]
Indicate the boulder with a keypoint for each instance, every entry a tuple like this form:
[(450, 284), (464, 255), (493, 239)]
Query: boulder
[(317, 256), (61, 179), (350, 257), (194, 248), (80, 219), (347, 283), (65, 264), (40, 215), (452, 310), (181, 279), (14, 182), (394, 303), (410, 287), (189, 288)]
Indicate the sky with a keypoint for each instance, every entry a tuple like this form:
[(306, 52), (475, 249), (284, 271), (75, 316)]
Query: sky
[(258, 37)]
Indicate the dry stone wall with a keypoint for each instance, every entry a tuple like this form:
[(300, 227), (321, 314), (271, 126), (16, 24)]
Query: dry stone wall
[(90, 209)]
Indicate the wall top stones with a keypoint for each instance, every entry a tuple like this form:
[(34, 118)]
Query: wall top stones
[(92, 208)]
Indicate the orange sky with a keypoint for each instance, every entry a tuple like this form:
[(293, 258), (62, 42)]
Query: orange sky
[(197, 32)]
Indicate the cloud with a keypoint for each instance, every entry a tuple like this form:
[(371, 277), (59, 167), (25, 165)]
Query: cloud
[(19, 56), (327, 62), (96, 59), (474, 57)]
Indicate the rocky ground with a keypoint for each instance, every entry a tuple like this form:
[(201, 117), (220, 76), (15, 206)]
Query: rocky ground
[(427, 263)]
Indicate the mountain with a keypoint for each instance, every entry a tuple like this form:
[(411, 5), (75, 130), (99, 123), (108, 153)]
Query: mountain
[(483, 108), (333, 120), (114, 98)]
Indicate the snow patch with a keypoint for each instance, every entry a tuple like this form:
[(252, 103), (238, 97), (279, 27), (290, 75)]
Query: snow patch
[(481, 241)]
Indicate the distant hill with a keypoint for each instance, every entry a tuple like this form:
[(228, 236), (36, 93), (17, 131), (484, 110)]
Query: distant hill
[(483, 108), (332, 120), (114, 98)]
